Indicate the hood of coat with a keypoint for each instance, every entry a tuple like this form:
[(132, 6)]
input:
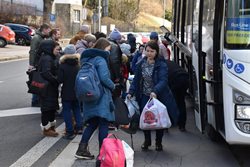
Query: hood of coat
[(47, 46), (70, 59), (81, 44), (93, 52)]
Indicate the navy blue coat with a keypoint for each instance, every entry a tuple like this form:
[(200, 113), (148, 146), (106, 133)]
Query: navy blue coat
[(161, 88)]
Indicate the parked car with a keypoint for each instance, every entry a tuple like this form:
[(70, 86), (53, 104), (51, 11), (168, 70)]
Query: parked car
[(6, 35), (23, 33)]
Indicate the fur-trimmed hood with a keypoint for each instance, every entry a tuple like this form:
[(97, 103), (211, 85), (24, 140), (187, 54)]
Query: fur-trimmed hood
[(70, 59)]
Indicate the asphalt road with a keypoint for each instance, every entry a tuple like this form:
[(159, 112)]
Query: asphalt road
[(13, 88)]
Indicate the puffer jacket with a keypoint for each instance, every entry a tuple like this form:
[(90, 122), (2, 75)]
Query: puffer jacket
[(48, 68), (68, 68)]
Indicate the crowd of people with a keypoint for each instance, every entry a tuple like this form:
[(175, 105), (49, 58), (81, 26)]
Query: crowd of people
[(155, 76)]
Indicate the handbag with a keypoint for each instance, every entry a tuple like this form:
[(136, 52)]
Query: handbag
[(37, 84)]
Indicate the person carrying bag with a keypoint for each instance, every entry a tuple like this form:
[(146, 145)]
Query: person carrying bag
[(151, 81)]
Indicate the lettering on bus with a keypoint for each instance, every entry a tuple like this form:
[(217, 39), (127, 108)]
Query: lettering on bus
[(238, 30)]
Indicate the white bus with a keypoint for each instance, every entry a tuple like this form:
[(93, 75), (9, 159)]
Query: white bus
[(216, 53)]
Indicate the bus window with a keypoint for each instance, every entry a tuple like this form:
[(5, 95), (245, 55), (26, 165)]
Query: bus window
[(237, 24)]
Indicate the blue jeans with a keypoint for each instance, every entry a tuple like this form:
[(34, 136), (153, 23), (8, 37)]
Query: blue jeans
[(69, 106), (35, 99), (93, 123)]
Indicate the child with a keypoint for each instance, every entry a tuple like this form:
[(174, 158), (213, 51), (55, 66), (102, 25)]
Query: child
[(68, 69)]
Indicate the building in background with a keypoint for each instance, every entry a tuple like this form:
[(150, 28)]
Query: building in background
[(69, 15)]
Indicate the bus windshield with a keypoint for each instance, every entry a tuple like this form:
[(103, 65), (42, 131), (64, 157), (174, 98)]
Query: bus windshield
[(237, 24)]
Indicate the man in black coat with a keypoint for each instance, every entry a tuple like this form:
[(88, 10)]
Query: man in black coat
[(178, 83), (115, 62)]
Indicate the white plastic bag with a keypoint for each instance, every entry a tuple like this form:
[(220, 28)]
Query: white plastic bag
[(133, 106), (129, 154), (154, 116)]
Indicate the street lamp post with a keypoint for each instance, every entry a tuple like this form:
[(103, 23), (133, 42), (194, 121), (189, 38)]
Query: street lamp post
[(99, 15)]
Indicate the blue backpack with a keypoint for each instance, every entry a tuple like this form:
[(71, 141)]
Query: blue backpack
[(88, 87)]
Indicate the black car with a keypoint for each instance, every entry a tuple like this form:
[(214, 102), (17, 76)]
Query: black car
[(23, 33)]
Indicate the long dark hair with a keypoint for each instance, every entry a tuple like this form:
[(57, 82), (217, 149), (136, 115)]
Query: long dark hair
[(153, 45), (101, 43)]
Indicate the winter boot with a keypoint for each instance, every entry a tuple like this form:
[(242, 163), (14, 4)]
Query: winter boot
[(53, 125), (47, 131), (83, 152)]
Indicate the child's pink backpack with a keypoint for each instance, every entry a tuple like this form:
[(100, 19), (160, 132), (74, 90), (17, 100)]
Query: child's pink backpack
[(112, 153)]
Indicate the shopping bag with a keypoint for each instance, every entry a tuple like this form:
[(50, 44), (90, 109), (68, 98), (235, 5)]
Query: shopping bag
[(154, 116), (133, 106), (37, 84), (129, 154)]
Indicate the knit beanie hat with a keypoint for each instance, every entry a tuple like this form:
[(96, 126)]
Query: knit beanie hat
[(115, 35), (85, 28), (125, 48), (69, 49), (153, 35)]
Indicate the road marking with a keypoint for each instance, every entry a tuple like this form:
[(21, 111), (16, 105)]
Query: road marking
[(30, 157), (67, 156), (1, 81), (20, 111)]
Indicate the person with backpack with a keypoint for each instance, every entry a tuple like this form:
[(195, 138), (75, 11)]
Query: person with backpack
[(97, 113), (151, 81), (48, 69), (68, 69)]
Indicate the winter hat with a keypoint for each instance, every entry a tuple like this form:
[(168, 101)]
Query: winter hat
[(85, 28), (69, 49), (153, 35), (125, 48), (115, 35)]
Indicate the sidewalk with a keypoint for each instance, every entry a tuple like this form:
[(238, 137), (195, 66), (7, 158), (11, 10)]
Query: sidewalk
[(180, 149), (14, 52)]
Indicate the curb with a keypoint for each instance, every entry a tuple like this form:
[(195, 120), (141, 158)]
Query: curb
[(12, 58)]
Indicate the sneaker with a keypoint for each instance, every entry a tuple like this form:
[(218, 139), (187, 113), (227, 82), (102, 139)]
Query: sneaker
[(83, 152), (69, 136)]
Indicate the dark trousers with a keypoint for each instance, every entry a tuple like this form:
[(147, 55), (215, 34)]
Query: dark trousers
[(147, 133), (158, 136), (179, 94), (93, 123), (47, 116)]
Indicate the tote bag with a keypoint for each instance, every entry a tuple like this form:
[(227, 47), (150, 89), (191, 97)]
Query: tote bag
[(37, 84)]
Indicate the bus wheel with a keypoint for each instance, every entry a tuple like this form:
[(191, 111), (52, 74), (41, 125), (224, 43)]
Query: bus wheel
[(212, 133)]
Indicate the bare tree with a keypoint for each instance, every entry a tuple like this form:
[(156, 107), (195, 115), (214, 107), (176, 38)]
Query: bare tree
[(47, 7)]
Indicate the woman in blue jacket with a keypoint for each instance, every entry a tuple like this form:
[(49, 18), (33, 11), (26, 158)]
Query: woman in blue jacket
[(100, 113), (151, 80)]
